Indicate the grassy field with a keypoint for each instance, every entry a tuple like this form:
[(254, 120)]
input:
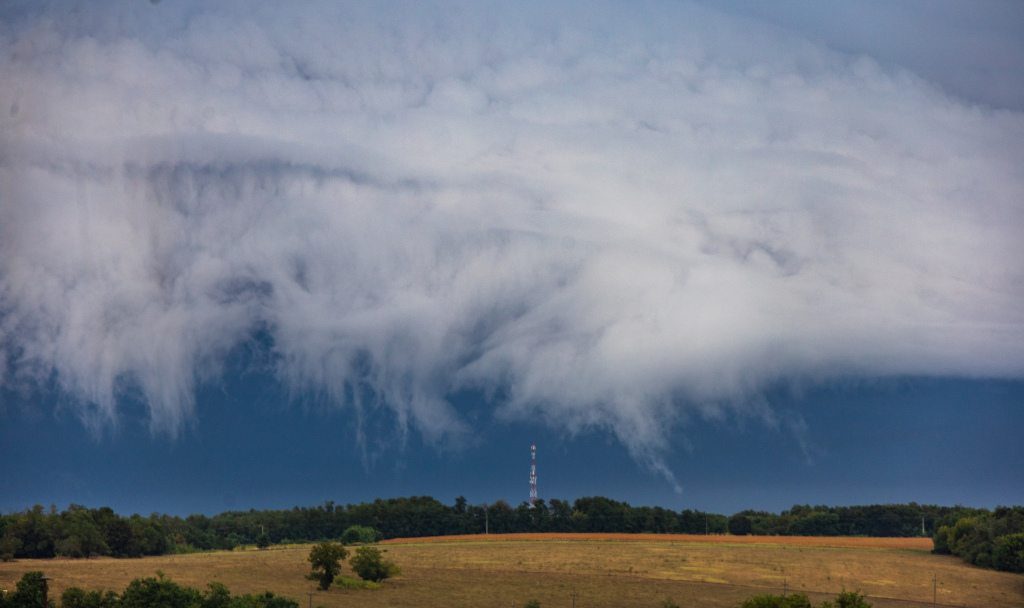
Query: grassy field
[(605, 572)]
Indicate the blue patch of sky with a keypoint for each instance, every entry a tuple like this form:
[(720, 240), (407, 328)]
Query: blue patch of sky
[(932, 441)]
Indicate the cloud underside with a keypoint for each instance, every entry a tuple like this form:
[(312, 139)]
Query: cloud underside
[(614, 228)]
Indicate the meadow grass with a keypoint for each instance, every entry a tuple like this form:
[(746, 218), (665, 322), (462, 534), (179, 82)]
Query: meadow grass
[(508, 573)]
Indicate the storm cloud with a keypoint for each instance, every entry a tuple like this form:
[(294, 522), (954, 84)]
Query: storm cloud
[(615, 219)]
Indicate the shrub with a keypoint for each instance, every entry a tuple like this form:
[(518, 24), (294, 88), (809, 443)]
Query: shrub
[(846, 599), (532, 604), (849, 599), (360, 534), (267, 600), (794, 600), (183, 548), (345, 582), (371, 566)]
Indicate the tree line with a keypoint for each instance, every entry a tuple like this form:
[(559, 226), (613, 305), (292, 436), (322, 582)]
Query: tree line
[(987, 539), (904, 520), (79, 531), (83, 532)]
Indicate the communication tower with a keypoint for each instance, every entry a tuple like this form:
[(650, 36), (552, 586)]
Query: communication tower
[(533, 474)]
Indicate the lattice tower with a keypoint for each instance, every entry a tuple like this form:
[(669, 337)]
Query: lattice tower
[(533, 474)]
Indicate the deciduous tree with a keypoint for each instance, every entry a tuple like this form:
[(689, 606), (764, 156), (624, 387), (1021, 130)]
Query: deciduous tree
[(326, 563)]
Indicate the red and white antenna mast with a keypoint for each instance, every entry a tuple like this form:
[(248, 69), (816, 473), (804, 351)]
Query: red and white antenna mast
[(533, 474)]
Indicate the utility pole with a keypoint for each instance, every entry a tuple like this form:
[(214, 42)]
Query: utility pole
[(783, 586), (46, 588), (935, 587), (575, 594), (487, 512), (310, 594), (705, 524), (923, 533)]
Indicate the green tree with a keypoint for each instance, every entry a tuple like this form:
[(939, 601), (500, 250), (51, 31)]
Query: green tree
[(263, 540), (739, 525), (84, 537), (1008, 554), (9, 545), (326, 563), (940, 541), (30, 593), (370, 565), (217, 597), (118, 536), (163, 592), (75, 597), (532, 604)]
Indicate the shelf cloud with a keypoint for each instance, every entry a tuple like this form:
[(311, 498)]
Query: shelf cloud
[(616, 218)]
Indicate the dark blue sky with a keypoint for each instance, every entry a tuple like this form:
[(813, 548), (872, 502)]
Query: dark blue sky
[(718, 254), (925, 440)]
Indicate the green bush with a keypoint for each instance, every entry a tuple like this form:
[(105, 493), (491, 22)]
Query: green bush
[(360, 534), (345, 582), (846, 599), (371, 566), (160, 592), (183, 549), (267, 600), (793, 600), (532, 604)]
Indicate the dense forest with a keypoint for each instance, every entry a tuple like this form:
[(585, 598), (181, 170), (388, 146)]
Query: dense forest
[(82, 532), (987, 539), (991, 539)]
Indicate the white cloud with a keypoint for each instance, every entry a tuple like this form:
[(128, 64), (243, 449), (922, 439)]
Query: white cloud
[(618, 221)]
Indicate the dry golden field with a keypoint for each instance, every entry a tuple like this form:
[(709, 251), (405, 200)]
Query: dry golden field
[(847, 542), (606, 571)]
